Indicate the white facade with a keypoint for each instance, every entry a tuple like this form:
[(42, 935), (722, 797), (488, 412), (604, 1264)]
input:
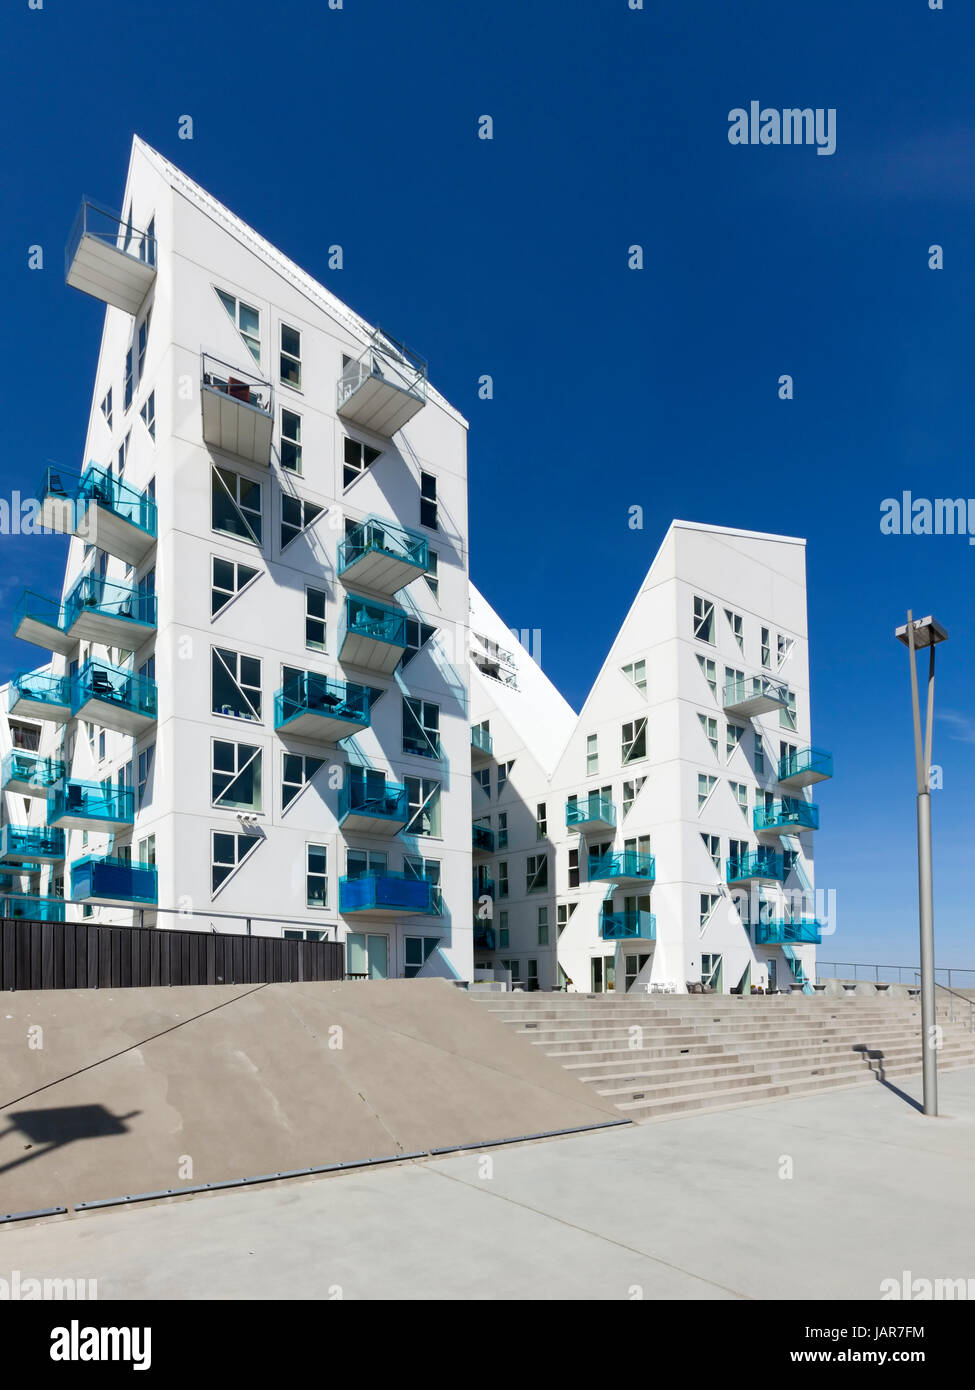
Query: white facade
[(673, 770)]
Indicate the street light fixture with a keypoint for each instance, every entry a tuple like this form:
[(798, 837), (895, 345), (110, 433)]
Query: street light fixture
[(916, 634)]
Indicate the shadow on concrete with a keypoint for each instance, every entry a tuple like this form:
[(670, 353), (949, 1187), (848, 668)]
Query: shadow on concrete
[(46, 1130), (874, 1055)]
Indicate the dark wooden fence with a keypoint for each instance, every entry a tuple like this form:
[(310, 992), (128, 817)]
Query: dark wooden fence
[(77, 955)]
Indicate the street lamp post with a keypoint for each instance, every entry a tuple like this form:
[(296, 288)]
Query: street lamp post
[(925, 632)]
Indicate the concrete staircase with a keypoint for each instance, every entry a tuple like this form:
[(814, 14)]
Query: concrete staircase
[(659, 1055)]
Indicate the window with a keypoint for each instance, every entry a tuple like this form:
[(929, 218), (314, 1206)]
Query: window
[(417, 636), (227, 579), (737, 849), (127, 381), (712, 844), (148, 414), (536, 873), (502, 830), (766, 647), (357, 458), (297, 770), (503, 932), (636, 672), (541, 821), (705, 786), (740, 791), (482, 776), (733, 738), (432, 575), (101, 745), (503, 771), (502, 878), (562, 914), (147, 850), (235, 505), (247, 321), (759, 756), (291, 441), (789, 859), (515, 968), (107, 408), (360, 862), (290, 368), (148, 247), (143, 342), (735, 623), (543, 926), (236, 776), (228, 852), (709, 672), (592, 754), (710, 727), (634, 739), (315, 619), (703, 620), (573, 868), (148, 669), (631, 791), (787, 715), (296, 514), (428, 501), (423, 796), (421, 728), (123, 452), (427, 871), (639, 847), (709, 902), (145, 767), (417, 950), (235, 684), (316, 876), (784, 647)]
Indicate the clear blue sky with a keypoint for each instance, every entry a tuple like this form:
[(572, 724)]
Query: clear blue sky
[(655, 387)]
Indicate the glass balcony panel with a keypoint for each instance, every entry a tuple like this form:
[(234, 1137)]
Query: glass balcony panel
[(90, 806), (41, 620), (627, 926), (781, 932), (624, 866), (372, 636), (751, 867), (110, 259), (104, 879), (238, 411), (113, 698), (371, 804), (483, 839), (786, 816), (755, 695), (382, 557), (321, 709), (384, 388), (385, 894), (31, 907), (482, 745), (590, 812), (40, 695), (484, 938), (29, 844), (30, 774), (115, 615), (805, 766)]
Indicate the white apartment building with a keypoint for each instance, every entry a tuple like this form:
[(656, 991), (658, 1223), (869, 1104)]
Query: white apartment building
[(669, 839), (254, 717)]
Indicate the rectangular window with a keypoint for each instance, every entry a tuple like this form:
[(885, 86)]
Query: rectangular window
[(147, 850), (703, 620), (562, 914), (356, 459), (417, 636), (712, 844), (123, 452), (709, 672), (432, 575), (101, 745), (709, 902), (316, 876), (228, 852), (143, 342), (127, 381), (735, 622), (417, 950), (543, 926), (482, 776), (297, 770), (766, 647), (759, 756), (502, 830), (235, 505), (428, 501), (740, 792), (636, 672), (502, 878), (236, 776), (148, 414), (362, 861), (710, 727), (296, 515), (426, 871), (504, 770), (423, 796), (290, 357), (227, 579), (787, 715), (315, 619), (235, 684), (784, 647), (290, 441), (503, 932), (705, 786), (541, 821), (634, 740), (573, 868), (421, 728), (631, 791), (247, 321), (592, 754), (733, 737), (107, 407), (536, 873)]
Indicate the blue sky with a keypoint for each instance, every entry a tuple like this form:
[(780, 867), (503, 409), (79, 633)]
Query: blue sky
[(508, 257)]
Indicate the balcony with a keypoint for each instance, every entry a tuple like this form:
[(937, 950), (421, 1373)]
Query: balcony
[(482, 745), (382, 557), (622, 868), (29, 774), (483, 938), (779, 933), (760, 866), (371, 804), (628, 926), (804, 767), (40, 695), (109, 259), (373, 637), (31, 844), (482, 841), (114, 698), (42, 621), (238, 411), (100, 509), (385, 895), (385, 388), (89, 806), (114, 882), (482, 884), (32, 908), (590, 813), (755, 695), (320, 709), (99, 610), (786, 817)]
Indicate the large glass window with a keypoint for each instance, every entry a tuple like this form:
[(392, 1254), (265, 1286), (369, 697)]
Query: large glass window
[(247, 321), (296, 514), (290, 367), (356, 459), (424, 806), (634, 740), (235, 505), (316, 876), (421, 728), (236, 776), (228, 852), (228, 578), (315, 619), (291, 441), (296, 772), (236, 684), (703, 619)]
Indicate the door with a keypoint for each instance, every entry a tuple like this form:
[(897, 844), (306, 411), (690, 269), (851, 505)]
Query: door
[(711, 972), (367, 954), (603, 974), (773, 982)]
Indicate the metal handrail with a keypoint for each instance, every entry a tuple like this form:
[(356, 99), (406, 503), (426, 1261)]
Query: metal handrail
[(911, 970), (954, 995)]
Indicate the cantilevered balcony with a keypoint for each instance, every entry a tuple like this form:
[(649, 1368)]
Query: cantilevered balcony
[(482, 746), (385, 894), (100, 509), (31, 844), (782, 932), (755, 695), (384, 388), (109, 259), (113, 698), (115, 615), (32, 907), (482, 839), (590, 812), (238, 411), (786, 817), (382, 556), (804, 767), (321, 709), (41, 620), (372, 637), (628, 926), (369, 803), (484, 938), (89, 806), (623, 867), (756, 867), (482, 883), (29, 774), (113, 882), (40, 695)]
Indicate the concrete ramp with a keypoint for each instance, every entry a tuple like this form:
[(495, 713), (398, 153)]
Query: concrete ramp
[(136, 1090)]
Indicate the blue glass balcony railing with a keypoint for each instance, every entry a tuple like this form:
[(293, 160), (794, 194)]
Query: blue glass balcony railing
[(385, 388), (592, 812), (41, 620), (32, 907), (625, 926), (482, 742), (110, 259), (101, 878), (100, 507), (755, 695), (792, 813), (29, 773), (20, 843), (781, 931), (373, 800), (386, 555), (760, 864), (482, 838), (315, 704), (371, 635), (113, 696), (386, 892), (37, 692), (83, 804), (483, 938), (483, 884), (113, 605), (805, 766), (625, 865)]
